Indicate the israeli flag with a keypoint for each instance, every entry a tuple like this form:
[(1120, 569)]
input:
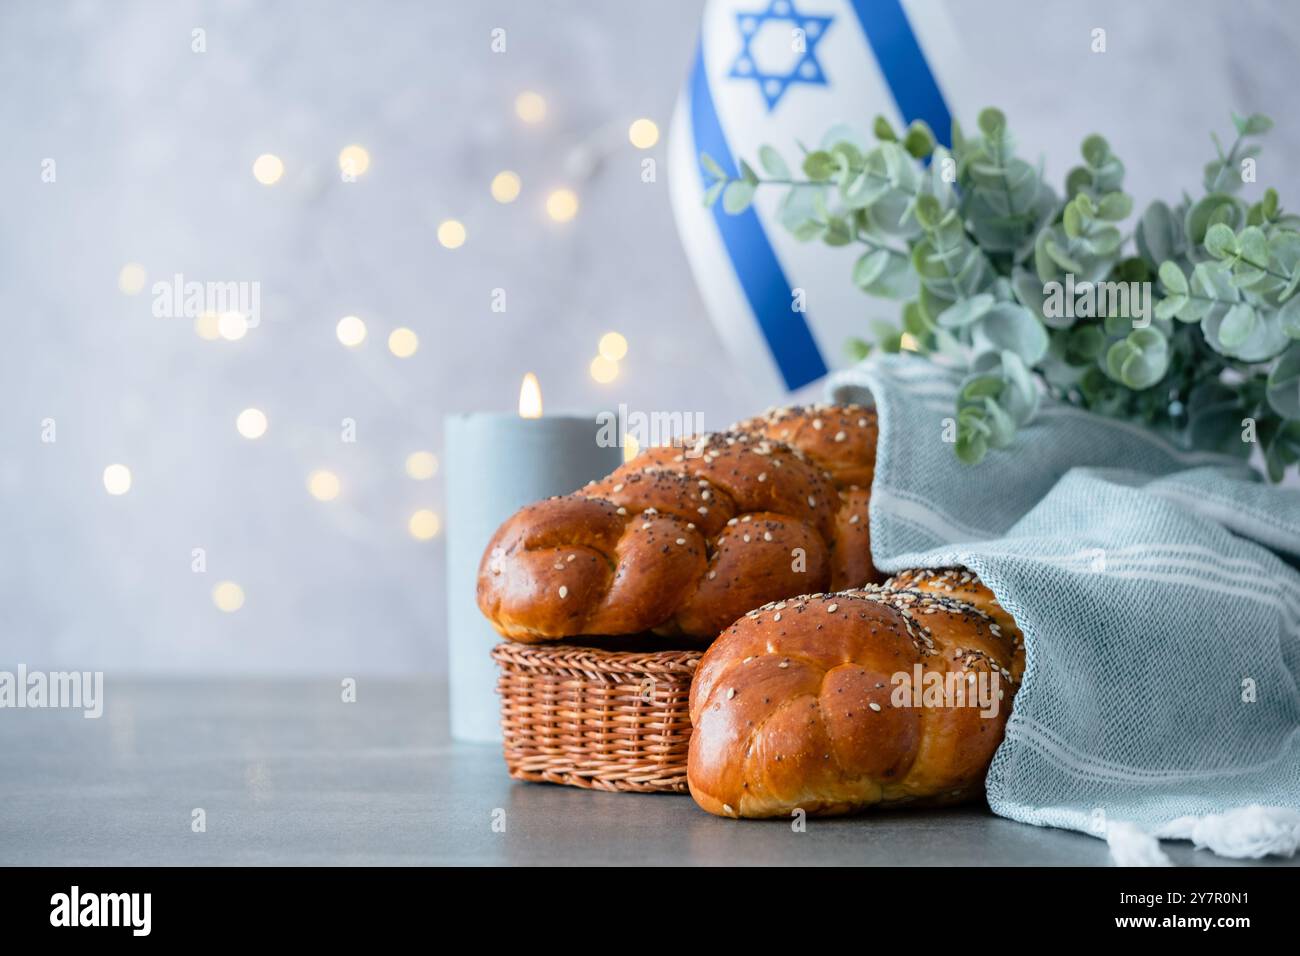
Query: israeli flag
[(783, 72)]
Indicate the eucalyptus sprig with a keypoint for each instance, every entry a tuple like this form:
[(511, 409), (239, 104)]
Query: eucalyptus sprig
[(1193, 332)]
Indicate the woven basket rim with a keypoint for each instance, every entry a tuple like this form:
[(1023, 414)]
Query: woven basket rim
[(668, 661)]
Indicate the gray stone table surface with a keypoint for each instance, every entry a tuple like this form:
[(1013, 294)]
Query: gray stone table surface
[(286, 773)]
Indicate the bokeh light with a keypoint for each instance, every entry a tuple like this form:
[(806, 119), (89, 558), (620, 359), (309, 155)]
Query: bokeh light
[(351, 331), (421, 465), (530, 107), (403, 342), (451, 233), (354, 160), (117, 479), (424, 524), (267, 169), (603, 370), (228, 596), (612, 346), (251, 423), (132, 278), (643, 133), (505, 186), (323, 485), (562, 205)]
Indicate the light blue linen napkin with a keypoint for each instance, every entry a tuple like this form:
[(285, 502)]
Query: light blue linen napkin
[(1159, 600)]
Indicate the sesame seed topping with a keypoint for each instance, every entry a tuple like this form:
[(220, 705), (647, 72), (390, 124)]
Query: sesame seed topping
[(862, 423), (832, 609), (731, 692), (572, 557), (712, 575), (646, 526), (622, 511), (762, 476), (874, 706), (854, 519), (783, 664), (702, 510), (681, 540), (777, 617), (564, 592), (840, 436), (726, 808), (818, 424), (746, 538), (767, 536), (617, 488), (812, 502)]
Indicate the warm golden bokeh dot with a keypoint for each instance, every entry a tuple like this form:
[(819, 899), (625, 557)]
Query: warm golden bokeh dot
[(421, 465), (267, 169), (530, 107), (424, 524), (354, 160), (562, 205), (603, 370), (117, 479), (505, 186), (403, 342), (643, 133), (323, 485), (208, 326), (228, 596), (132, 278), (451, 233), (251, 423), (232, 326), (351, 331), (630, 447), (612, 346)]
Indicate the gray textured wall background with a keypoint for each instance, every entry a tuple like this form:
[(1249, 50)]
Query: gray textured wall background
[(153, 145)]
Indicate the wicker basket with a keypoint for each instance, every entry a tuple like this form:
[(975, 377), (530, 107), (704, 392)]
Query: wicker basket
[(593, 717)]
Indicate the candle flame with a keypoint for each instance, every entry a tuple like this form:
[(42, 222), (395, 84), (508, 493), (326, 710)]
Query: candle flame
[(530, 397)]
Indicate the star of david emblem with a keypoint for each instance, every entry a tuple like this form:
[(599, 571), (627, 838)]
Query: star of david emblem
[(774, 55)]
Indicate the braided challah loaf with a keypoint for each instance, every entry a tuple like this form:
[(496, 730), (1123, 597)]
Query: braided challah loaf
[(815, 702), (683, 540)]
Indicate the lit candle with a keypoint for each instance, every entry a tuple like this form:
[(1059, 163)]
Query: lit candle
[(496, 463)]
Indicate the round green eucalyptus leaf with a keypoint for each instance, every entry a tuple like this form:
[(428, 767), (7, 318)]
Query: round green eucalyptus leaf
[(1289, 317), (1220, 241), (870, 267), (1284, 384), (737, 196), (1158, 236), (772, 163), (1216, 207), (1002, 429), (1172, 278), (965, 311), (1139, 360), (1011, 327), (1095, 150), (1237, 326), (1114, 206), (819, 165)]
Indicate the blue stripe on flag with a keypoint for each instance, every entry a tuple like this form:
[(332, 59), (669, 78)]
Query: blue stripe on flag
[(901, 60), (761, 277)]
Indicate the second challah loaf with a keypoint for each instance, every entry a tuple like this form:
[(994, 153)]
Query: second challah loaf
[(832, 703)]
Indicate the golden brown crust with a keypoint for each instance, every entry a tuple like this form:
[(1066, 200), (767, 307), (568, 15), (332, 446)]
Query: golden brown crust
[(683, 540), (808, 704)]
